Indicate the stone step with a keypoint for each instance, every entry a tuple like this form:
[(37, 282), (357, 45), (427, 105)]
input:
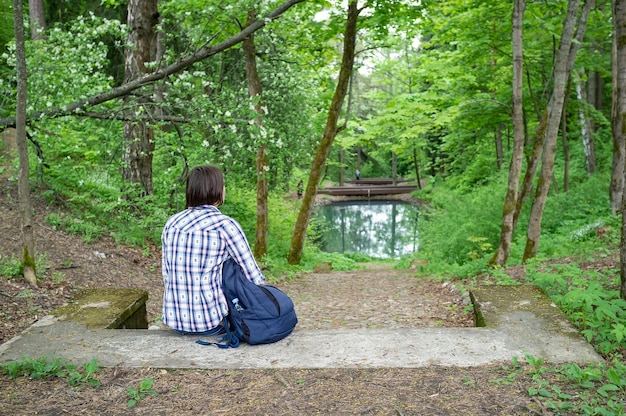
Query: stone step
[(519, 321)]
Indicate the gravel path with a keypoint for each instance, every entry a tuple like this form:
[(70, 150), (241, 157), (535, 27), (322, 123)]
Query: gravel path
[(381, 298)]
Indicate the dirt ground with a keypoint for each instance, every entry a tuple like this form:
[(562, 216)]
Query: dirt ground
[(323, 300)]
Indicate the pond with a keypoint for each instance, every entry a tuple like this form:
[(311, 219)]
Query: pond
[(379, 229)]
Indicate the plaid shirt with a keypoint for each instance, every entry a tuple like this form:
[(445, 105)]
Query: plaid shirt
[(196, 242)]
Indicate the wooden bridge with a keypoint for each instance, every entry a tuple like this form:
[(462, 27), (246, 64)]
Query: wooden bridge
[(370, 187)]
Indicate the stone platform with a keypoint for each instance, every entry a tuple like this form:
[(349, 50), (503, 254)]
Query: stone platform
[(518, 321)]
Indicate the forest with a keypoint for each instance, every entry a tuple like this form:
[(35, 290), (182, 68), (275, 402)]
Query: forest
[(509, 115)]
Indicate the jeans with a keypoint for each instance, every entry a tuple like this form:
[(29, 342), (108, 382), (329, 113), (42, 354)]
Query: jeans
[(213, 331)]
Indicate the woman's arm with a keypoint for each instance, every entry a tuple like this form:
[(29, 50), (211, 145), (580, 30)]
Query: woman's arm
[(238, 247)]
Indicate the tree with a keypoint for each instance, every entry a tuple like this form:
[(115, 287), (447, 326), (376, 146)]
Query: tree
[(262, 162), (138, 134), (37, 19), (619, 80), (330, 131), (81, 106), (616, 187), (586, 128), (573, 25), (515, 168), (26, 207), (139, 121)]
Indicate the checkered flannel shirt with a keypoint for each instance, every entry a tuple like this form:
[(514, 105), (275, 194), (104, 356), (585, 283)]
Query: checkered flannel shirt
[(196, 242)]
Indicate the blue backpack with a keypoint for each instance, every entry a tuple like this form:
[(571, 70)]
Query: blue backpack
[(257, 314)]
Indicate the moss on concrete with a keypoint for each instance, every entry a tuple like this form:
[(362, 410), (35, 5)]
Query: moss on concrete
[(106, 308), (494, 304)]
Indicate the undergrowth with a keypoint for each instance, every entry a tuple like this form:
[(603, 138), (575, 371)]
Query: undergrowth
[(590, 299), (47, 367)]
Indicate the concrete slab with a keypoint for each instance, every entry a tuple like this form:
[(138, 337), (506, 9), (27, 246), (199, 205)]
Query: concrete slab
[(518, 320), (364, 348)]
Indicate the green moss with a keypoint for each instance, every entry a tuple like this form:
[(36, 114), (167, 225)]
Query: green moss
[(106, 309), (28, 261), (494, 303)]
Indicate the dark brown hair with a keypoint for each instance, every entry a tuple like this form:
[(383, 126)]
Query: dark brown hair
[(205, 186)]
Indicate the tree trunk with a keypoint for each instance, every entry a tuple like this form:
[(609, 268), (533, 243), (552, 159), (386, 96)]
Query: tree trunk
[(619, 111), (596, 81), (262, 161), (37, 19), (394, 168), (347, 63), (139, 135), (23, 187), (341, 168), (499, 149), (562, 68), (586, 128), (508, 211), (616, 186), (417, 170), (566, 151)]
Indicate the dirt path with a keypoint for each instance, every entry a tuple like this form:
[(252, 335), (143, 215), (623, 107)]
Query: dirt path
[(379, 298)]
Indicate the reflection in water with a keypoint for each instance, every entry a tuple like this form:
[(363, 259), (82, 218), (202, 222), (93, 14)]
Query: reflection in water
[(381, 229)]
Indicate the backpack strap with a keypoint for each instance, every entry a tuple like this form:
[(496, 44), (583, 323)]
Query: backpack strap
[(229, 340)]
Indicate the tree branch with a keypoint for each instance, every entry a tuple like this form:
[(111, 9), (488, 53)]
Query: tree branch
[(79, 106)]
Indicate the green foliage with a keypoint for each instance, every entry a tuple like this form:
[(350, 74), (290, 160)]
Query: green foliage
[(10, 267), (137, 394), (567, 212), (570, 389), (339, 261), (45, 367), (587, 297), (459, 231), (70, 62), (6, 22), (460, 227)]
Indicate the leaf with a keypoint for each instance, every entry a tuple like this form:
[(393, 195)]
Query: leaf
[(146, 384), (91, 367), (613, 376), (619, 330), (603, 391), (587, 385), (545, 393)]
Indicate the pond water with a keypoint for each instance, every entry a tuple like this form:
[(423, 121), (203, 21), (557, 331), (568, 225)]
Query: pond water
[(379, 229)]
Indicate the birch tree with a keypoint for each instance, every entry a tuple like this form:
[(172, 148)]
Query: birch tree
[(586, 128)]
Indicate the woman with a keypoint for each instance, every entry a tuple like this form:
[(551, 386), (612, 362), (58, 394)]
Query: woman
[(196, 242)]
